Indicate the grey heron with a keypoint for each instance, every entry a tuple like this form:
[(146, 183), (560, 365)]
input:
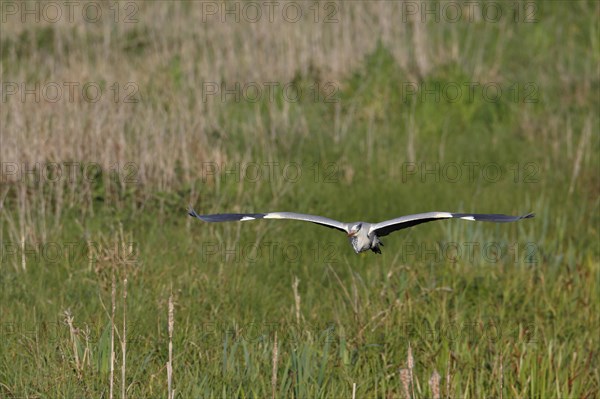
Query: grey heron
[(362, 235)]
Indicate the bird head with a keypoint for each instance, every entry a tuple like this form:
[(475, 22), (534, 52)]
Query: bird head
[(354, 229)]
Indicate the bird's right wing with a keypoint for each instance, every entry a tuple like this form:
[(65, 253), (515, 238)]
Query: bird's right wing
[(242, 217), (388, 226)]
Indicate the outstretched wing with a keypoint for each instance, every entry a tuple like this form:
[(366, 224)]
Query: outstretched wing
[(242, 217), (388, 226)]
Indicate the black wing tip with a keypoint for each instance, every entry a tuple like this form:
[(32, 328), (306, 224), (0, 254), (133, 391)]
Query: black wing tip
[(192, 212), (492, 217)]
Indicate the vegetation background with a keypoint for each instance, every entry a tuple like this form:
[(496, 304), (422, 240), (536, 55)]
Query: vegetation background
[(117, 115)]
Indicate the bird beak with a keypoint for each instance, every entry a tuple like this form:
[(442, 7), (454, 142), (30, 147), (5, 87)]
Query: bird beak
[(351, 234)]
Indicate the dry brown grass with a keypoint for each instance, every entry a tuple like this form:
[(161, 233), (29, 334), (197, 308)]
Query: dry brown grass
[(275, 361), (170, 124)]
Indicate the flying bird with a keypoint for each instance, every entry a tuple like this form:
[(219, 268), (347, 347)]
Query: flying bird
[(362, 235)]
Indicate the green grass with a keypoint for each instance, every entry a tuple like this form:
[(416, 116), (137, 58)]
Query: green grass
[(520, 324)]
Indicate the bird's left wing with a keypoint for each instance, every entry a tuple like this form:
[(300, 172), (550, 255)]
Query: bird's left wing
[(388, 226), (242, 217)]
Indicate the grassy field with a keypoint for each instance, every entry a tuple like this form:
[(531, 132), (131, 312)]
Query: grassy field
[(118, 115)]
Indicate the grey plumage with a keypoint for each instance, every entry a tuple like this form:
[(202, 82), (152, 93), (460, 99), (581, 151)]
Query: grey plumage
[(362, 235)]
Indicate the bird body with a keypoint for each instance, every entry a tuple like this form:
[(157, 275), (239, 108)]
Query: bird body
[(364, 239), (362, 235)]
